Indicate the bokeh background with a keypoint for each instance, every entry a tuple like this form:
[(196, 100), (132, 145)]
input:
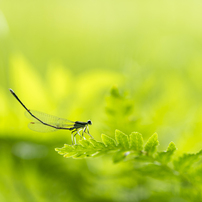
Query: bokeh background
[(127, 65)]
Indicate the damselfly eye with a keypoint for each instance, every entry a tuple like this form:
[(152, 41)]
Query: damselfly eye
[(89, 122)]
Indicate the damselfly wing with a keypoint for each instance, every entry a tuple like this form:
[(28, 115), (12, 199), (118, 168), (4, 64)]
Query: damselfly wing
[(49, 119)]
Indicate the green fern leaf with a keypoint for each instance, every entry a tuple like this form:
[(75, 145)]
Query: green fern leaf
[(65, 149), (98, 145), (71, 154), (86, 144), (133, 149), (78, 147), (136, 141), (79, 155), (171, 147), (165, 157), (88, 148), (122, 140), (108, 141), (186, 162), (152, 144)]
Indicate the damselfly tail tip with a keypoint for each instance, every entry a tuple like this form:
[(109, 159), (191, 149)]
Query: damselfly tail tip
[(11, 90)]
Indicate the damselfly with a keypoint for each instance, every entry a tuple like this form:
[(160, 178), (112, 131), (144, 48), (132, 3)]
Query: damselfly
[(43, 122)]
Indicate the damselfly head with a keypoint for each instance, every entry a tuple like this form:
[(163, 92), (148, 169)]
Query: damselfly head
[(89, 122)]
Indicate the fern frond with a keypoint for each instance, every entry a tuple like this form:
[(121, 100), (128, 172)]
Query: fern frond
[(123, 146)]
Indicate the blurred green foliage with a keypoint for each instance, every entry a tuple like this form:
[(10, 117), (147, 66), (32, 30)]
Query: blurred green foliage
[(127, 65), (147, 161)]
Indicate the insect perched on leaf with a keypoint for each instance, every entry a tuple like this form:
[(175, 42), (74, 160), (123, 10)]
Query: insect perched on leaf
[(43, 122)]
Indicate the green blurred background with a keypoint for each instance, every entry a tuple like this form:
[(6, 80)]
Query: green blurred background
[(63, 58)]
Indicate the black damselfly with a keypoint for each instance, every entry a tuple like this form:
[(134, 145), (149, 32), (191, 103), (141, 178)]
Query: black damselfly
[(43, 122)]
